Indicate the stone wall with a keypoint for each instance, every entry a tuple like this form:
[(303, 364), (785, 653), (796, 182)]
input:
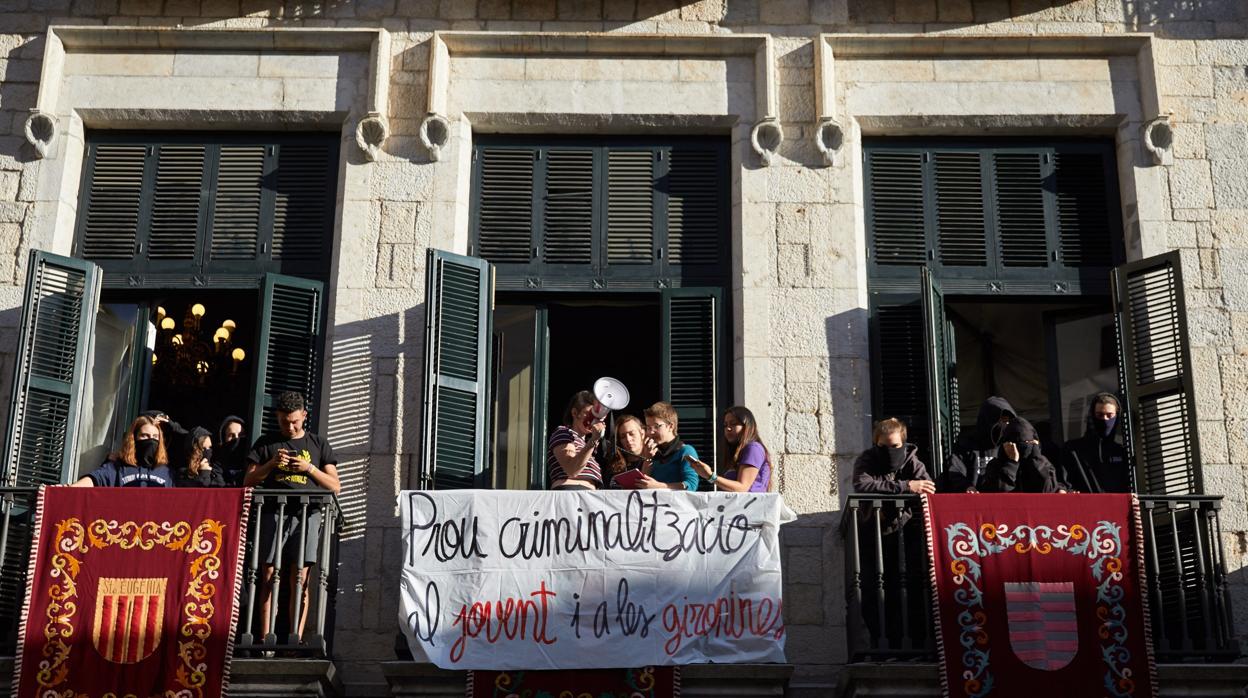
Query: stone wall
[(800, 355)]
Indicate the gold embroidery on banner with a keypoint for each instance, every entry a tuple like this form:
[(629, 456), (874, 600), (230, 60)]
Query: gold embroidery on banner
[(202, 543)]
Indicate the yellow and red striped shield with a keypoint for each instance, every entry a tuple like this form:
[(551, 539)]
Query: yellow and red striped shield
[(129, 616)]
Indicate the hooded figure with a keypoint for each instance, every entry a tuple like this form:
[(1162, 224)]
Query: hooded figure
[(206, 473), (1095, 462), (1031, 472), (965, 466), (884, 470), (230, 455)]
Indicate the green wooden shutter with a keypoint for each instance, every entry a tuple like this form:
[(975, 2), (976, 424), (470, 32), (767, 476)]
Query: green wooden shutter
[(236, 212), (696, 206), (1085, 202), (568, 207), (177, 202), (458, 317), (691, 349), (895, 210), (961, 231), (1156, 370), (303, 202), (504, 198), (1021, 229), (898, 369), (112, 201), (630, 206), (941, 364), (289, 347), (58, 328)]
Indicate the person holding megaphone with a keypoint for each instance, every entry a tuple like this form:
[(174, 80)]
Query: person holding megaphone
[(570, 461)]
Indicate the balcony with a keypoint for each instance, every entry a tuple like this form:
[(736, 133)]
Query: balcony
[(281, 662), (891, 646)]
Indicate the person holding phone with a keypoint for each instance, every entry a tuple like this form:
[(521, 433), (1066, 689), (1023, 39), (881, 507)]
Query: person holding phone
[(291, 458), (746, 462), (570, 461), (672, 467)]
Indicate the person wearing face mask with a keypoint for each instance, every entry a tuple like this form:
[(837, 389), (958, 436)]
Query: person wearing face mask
[(1019, 465), (140, 462), (230, 454), (197, 469), (892, 466), (1096, 462), (966, 464)]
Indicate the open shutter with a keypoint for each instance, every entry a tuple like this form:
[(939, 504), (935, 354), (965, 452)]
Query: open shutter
[(458, 317), (691, 328), (1156, 370), (941, 369), (288, 355), (58, 323), (898, 370)]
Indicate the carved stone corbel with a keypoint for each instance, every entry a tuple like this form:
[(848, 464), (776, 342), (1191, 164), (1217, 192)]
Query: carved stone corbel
[(766, 137), (41, 131), (829, 139), (1159, 140), (435, 132), (371, 133)]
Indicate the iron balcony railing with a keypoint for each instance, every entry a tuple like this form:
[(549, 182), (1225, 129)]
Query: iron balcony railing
[(275, 515), (888, 593)]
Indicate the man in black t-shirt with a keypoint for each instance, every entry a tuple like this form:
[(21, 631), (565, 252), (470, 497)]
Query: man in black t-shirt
[(295, 459)]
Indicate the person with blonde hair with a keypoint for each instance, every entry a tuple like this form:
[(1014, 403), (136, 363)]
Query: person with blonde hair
[(671, 469), (140, 462), (747, 463), (892, 466)]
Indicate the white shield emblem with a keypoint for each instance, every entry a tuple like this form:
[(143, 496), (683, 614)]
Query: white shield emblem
[(1043, 630)]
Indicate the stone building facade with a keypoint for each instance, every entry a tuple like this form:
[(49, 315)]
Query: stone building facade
[(792, 86)]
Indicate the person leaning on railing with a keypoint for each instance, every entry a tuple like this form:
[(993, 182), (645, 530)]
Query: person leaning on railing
[(570, 461), (292, 458), (140, 462), (891, 467), (747, 463), (1019, 465)]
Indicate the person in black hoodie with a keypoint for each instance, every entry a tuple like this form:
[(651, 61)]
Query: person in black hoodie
[(1096, 462), (1019, 465), (892, 467), (965, 466), (196, 468), (230, 455)]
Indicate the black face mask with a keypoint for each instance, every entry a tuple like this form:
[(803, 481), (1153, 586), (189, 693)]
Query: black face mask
[(207, 454), (145, 453), (895, 457), (1026, 450)]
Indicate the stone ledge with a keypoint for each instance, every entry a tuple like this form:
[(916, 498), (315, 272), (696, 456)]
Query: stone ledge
[(415, 679), (269, 678), (908, 679)]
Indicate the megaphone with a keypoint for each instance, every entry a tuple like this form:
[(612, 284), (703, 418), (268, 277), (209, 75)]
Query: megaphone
[(609, 395)]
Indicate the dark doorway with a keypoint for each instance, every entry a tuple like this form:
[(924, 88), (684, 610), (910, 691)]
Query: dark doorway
[(591, 340), (1046, 358), (187, 353)]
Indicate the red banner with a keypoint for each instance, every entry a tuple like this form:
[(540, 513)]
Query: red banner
[(1040, 595), (132, 592)]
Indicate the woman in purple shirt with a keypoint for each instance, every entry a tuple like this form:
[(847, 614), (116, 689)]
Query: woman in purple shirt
[(747, 460)]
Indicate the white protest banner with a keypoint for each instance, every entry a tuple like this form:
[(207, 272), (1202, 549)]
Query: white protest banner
[(564, 580)]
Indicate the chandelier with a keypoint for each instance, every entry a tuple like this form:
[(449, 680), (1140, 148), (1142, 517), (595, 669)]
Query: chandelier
[(191, 355)]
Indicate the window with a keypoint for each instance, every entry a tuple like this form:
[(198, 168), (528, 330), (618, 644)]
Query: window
[(618, 214), (161, 210), (980, 249)]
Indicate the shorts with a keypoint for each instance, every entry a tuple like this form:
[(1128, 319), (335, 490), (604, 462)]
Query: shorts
[(291, 523)]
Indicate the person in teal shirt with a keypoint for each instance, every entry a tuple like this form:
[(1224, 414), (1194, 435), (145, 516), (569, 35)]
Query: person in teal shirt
[(671, 467)]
